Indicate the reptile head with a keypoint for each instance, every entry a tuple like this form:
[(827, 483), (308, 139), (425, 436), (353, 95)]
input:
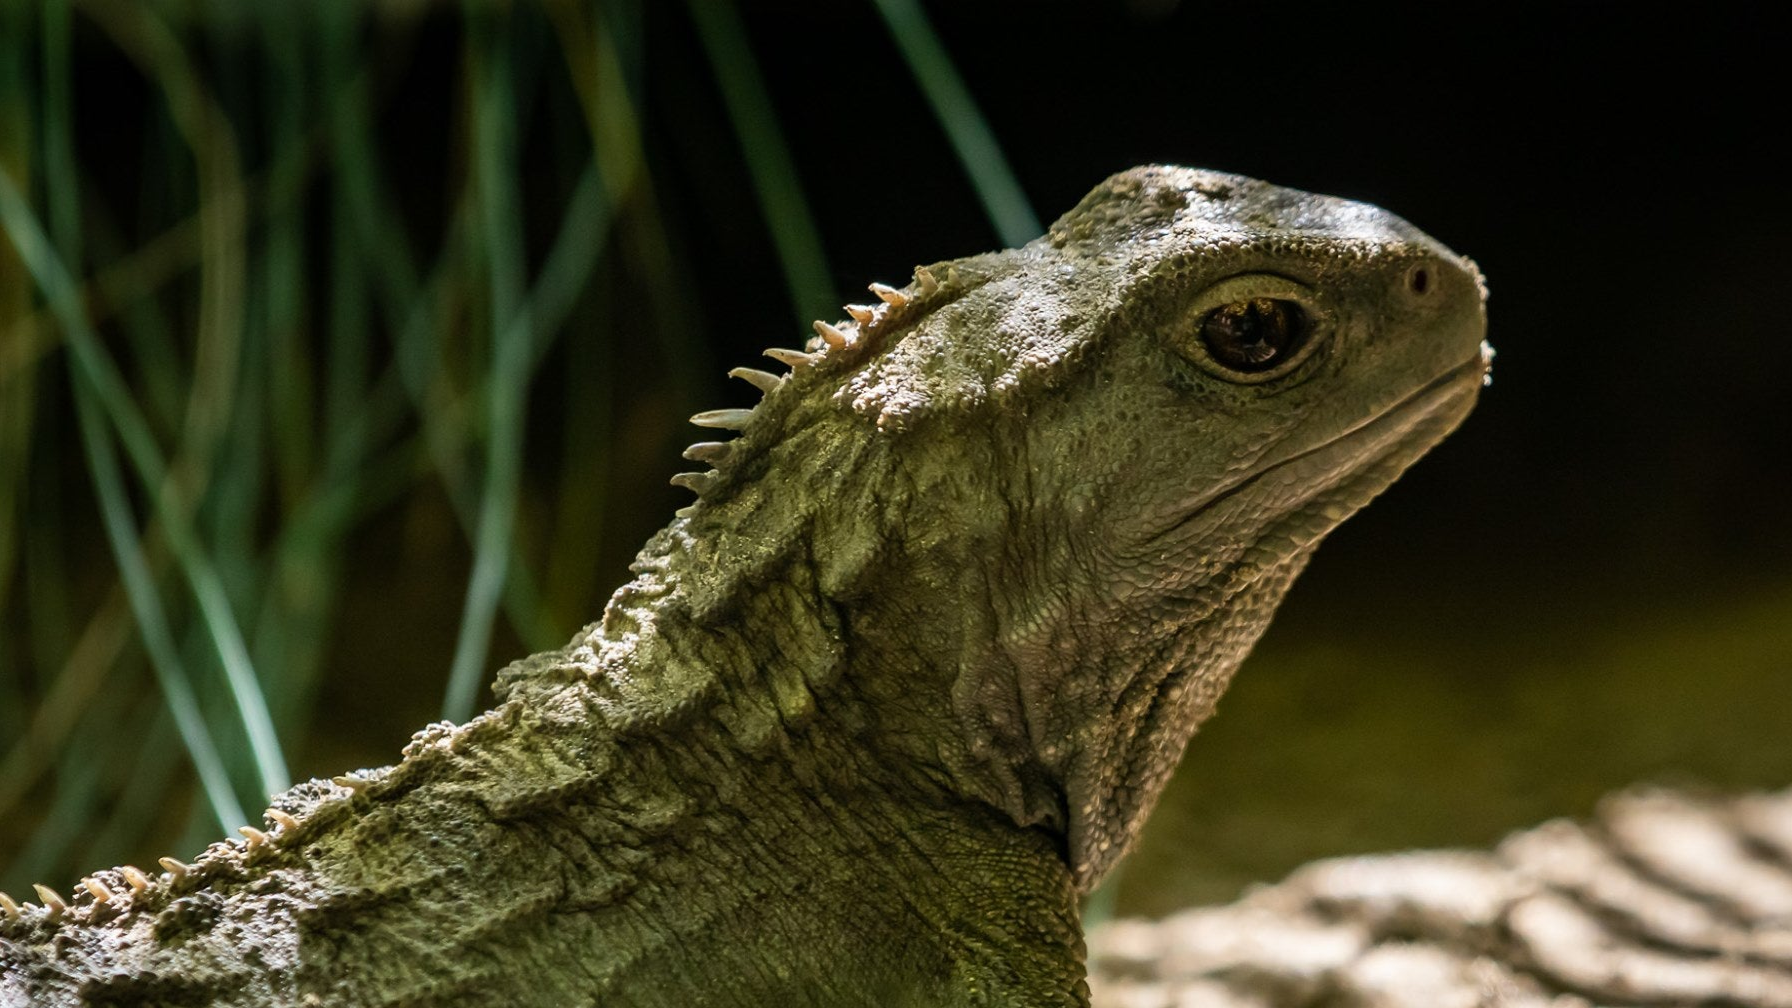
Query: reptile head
[(1256, 364), (1048, 498)]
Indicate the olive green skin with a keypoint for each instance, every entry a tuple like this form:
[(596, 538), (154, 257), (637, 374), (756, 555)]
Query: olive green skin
[(907, 678)]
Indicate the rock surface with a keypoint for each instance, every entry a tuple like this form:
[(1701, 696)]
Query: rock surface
[(1666, 898)]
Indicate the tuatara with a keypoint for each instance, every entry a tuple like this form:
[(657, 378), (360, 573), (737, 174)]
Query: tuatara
[(905, 680)]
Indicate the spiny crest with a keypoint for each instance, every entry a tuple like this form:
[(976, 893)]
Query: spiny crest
[(790, 358), (95, 898), (708, 452), (833, 347), (764, 381), (51, 899), (134, 877), (127, 889)]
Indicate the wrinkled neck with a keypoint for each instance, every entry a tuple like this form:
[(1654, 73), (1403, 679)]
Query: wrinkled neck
[(751, 650), (812, 730), (890, 658)]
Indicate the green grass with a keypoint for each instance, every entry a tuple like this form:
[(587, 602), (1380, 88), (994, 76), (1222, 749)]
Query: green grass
[(231, 374)]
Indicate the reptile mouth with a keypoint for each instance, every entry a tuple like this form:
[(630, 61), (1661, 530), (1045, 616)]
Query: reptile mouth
[(1416, 407), (1394, 425)]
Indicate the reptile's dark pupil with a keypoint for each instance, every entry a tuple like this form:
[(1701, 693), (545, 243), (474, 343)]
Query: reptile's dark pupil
[(1254, 335)]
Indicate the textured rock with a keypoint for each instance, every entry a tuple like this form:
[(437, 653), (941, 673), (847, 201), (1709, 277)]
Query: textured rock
[(1665, 899)]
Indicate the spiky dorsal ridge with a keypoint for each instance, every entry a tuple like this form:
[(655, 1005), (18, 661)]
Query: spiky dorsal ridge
[(299, 816), (835, 349), (313, 806)]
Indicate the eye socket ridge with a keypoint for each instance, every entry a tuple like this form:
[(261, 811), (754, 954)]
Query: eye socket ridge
[(1251, 328)]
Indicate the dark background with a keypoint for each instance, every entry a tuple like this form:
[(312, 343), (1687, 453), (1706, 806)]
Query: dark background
[(1589, 585)]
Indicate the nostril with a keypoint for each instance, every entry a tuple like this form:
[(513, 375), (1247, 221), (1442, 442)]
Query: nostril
[(1418, 279)]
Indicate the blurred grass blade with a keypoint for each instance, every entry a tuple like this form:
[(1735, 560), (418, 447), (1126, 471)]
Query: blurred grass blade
[(419, 310), (584, 230), (18, 392), (1002, 197), (496, 190), (111, 394), (577, 525), (80, 780), (786, 212), (72, 689), (139, 32), (143, 798), (146, 603), (594, 41), (202, 517)]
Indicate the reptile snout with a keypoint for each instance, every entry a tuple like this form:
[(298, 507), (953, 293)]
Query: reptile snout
[(1447, 298)]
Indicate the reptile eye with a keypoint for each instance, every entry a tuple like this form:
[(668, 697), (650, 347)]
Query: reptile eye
[(1253, 328), (1254, 335)]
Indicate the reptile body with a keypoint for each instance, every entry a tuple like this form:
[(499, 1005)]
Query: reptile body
[(901, 685)]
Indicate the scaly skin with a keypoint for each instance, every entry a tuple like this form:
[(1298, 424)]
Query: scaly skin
[(900, 686)]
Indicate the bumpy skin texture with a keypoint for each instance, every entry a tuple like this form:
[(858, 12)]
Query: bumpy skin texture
[(898, 688), (1665, 899)]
